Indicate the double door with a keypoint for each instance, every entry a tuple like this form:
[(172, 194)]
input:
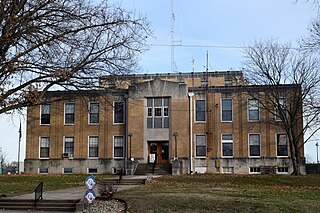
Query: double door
[(158, 152)]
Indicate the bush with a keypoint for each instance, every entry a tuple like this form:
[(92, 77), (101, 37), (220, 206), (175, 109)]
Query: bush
[(107, 191)]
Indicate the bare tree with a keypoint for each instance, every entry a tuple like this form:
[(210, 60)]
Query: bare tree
[(277, 65), (69, 43)]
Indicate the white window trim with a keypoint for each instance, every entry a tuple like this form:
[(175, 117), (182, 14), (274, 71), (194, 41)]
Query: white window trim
[(249, 145), (276, 139), (275, 114), (227, 141), (43, 173), (205, 110), (283, 173), (40, 147), (93, 102), (248, 116), (254, 173), (122, 146), (113, 112), (41, 116), (195, 146), (92, 172), (64, 142), (89, 146), (64, 113), (231, 110), (67, 173)]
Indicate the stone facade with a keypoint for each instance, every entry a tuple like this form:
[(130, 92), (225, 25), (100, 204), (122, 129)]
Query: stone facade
[(174, 118)]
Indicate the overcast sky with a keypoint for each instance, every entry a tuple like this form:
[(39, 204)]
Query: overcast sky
[(219, 27)]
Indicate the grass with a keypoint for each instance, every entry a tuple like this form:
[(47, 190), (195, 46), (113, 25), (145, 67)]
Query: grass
[(11, 185), (196, 193), (223, 193)]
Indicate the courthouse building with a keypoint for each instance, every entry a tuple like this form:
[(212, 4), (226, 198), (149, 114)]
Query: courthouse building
[(198, 122)]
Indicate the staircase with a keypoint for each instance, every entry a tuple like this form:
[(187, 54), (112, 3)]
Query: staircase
[(158, 169), (42, 205), (123, 181)]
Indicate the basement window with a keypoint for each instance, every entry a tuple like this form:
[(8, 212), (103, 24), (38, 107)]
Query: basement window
[(43, 170), (227, 170), (283, 170), (92, 170), (67, 170), (255, 170)]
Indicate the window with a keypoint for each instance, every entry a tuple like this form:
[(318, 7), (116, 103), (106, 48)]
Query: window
[(118, 146), (43, 170), (93, 146), (69, 146), (67, 170), (283, 170), (253, 110), (201, 147), (227, 145), (92, 170), (255, 170), (281, 109), (44, 147), (157, 113), (227, 170), (93, 113), (282, 145), (118, 112), (200, 110), (45, 114), (226, 110), (254, 145), (69, 113)]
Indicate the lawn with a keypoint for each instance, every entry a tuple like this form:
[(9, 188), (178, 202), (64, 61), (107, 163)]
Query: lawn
[(224, 193)]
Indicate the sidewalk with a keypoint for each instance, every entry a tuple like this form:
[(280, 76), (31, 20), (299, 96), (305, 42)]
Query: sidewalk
[(72, 193)]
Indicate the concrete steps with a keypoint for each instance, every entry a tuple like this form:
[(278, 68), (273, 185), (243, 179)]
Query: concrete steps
[(158, 169), (42, 205), (123, 181)]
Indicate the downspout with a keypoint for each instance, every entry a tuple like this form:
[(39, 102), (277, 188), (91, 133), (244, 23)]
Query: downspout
[(127, 126), (191, 135)]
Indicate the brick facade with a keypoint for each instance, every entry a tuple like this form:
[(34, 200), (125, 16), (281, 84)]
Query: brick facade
[(152, 107)]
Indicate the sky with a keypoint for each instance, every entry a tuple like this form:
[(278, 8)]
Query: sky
[(217, 28)]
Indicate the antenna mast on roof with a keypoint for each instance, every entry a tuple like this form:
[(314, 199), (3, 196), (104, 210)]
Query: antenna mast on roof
[(172, 36)]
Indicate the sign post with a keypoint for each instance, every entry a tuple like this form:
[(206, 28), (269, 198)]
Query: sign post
[(90, 195)]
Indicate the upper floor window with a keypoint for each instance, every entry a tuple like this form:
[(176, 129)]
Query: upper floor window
[(227, 145), (253, 110), (282, 145), (118, 112), (93, 146), (44, 147), (69, 109), (69, 146), (281, 110), (45, 113), (93, 113), (200, 110), (118, 146), (201, 146), (157, 113), (254, 145), (226, 110)]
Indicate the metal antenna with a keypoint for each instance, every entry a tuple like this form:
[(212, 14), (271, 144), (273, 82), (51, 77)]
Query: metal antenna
[(172, 36)]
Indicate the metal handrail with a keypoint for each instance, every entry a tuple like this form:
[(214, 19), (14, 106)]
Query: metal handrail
[(38, 193)]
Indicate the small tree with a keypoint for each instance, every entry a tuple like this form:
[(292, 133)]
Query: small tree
[(275, 65), (69, 43)]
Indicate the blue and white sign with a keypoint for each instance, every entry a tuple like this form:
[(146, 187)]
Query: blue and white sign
[(90, 196), (90, 182)]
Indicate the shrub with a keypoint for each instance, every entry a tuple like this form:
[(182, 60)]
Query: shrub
[(107, 191)]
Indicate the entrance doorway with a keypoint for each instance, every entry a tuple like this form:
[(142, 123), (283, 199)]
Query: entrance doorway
[(159, 152)]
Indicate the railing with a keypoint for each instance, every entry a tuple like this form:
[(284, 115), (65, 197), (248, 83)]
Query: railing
[(38, 193)]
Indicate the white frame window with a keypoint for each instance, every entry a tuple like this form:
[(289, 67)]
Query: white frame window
[(200, 111), (68, 146), (254, 170), (44, 147), (118, 112), (254, 145), (45, 114), (69, 113), (67, 170), (283, 170), (43, 170), (282, 105), (157, 113), (227, 146), (200, 146), (227, 170), (118, 146), (93, 115), (93, 147), (282, 145), (226, 110), (253, 110), (92, 170)]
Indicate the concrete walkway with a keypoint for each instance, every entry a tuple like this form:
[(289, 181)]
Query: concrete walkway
[(73, 193)]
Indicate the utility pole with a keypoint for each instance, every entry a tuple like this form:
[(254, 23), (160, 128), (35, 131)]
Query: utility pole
[(19, 148), (317, 145)]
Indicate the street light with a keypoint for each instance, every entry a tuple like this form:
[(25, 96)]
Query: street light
[(175, 134), (130, 136), (317, 145)]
